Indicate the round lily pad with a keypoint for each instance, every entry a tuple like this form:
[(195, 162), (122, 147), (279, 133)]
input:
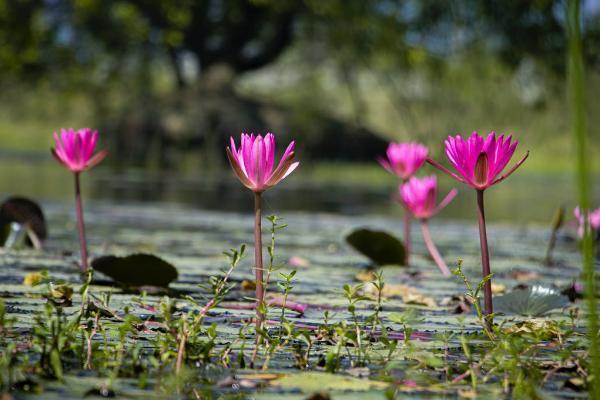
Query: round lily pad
[(136, 270), (380, 247)]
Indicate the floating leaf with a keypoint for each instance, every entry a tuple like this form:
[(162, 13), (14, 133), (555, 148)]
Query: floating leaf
[(103, 391), (467, 393), (365, 276), (408, 294), (24, 212), (260, 376), (498, 288), (523, 275), (248, 285), (543, 328), (137, 270), (460, 304), (33, 279), (61, 295), (531, 301), (309, 382), (380, 247)]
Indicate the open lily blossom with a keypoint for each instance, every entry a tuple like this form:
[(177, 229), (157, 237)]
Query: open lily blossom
[(253, 162), (593, 219), (478, 161), (404, 159), (75, 149), (419, 196)]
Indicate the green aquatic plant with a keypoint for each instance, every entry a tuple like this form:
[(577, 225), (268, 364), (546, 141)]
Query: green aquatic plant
[(254, 165), (74, 149), (473, 295), (479, 163), (404, 160), (577, 101)]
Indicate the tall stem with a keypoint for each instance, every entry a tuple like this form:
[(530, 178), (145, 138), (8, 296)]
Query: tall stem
[(407, 245), (577, 101), (407, 236), (435, 254), (80, 225), (485, 255), (258, 260)]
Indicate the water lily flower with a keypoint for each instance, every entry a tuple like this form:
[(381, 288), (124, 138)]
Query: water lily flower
[(419, 196), (404, 160), (254, 163), (479, 163), (593, 219), (74, 149)]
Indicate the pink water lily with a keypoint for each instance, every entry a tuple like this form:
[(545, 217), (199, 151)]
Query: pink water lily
[(593, 220), (419, 196), (75, 149), (404, 159), (478, 161), (254, 161)]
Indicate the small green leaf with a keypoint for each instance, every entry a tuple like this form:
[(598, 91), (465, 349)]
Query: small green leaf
[(56, 364)]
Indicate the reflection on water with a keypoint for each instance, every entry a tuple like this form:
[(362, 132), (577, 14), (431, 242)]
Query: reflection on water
[(522, 198)]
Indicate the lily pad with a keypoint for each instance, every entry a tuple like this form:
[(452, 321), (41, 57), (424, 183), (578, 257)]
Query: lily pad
[(25, 212), (380, 247), (309, 382), (532, 301), (136, 270)]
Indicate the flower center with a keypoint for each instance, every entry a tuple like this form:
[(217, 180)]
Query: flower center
[(481, 169)]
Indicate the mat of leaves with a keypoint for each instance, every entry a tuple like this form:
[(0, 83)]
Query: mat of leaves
[(194, 240)]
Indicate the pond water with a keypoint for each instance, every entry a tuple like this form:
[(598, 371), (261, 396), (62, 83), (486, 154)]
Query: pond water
[(525, 197), (193, 240)]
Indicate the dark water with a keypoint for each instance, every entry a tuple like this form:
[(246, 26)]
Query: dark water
[(524, 197)]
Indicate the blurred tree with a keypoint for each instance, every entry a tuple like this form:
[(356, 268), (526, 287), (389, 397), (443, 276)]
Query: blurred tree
[(36, 35), (105, 44), (22, 37)]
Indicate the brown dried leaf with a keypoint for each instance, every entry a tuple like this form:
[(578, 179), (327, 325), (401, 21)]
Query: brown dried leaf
[(498, 288), (548, 329), (523, 275), (365, 275), (408, 294), (467, 393), (247, 285)]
